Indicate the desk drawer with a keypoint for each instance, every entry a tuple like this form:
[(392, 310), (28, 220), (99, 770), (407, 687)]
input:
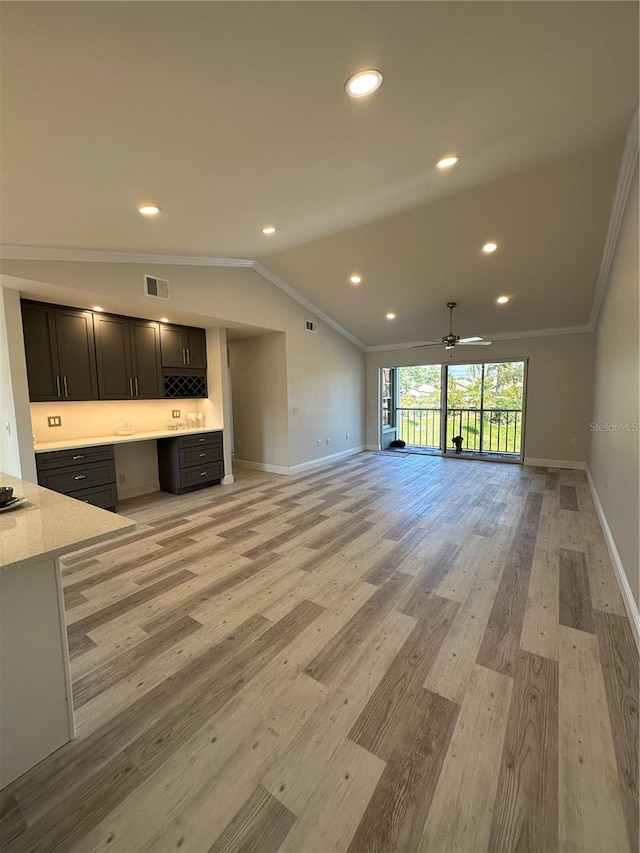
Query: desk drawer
[(78, 477), (198, 476), (73, 456), (185, 441), (201, 455), (105, 497)]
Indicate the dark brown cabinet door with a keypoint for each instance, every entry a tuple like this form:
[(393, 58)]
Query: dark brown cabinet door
[(173, 349), (145, 358), (60, 353), (196, 347), (113, 354), (76, 354), (41, 351), (183, 347)]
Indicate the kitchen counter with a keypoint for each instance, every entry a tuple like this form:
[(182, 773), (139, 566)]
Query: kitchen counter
[(37, 703), (96, 440), (51, 524)]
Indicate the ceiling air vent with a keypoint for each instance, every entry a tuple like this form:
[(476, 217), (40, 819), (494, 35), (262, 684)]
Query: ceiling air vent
[(310, 326), (158, 288)]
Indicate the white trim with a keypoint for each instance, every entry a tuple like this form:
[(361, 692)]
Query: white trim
[(227, 480), (335, 457), (500, 336), (621, 577), (555, 463), (627, 167), (41, 253), (282, 285), (303, 466)]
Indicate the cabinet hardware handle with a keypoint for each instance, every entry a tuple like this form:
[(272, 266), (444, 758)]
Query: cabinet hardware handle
[(201, 440), (130, 387), (202, 454), (188, 356), (58, 386), (79, 456), (204, 474), (136, 384), (80, 477), (184, 355), (66, 392)]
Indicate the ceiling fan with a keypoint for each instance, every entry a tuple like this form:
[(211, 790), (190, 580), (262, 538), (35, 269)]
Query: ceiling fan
[(450, 341)]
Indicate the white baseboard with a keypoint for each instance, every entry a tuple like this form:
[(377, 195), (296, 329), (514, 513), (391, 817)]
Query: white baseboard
[(372, 447), (555, 463), (126, 492), (621, 577), (297, 469)]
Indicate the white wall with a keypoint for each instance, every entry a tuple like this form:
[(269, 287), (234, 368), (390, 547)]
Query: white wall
[(613, 454), (325, 372), (16, 445), (559, 390)]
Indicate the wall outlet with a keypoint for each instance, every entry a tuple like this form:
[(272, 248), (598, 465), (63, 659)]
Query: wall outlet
[(54, 421), (572, 442), (175, 413), (296, 410), (319, 442), (346, 435), (328, 440), (122, 479)]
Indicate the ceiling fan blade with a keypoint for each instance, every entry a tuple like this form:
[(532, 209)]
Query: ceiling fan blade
[(474, 343), (431, 344), (469, 340)]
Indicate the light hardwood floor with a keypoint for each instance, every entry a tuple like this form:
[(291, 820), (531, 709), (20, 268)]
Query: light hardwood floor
[(394, 653)]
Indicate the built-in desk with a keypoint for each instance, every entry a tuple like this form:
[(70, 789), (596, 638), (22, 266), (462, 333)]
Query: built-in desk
[(36, 712)]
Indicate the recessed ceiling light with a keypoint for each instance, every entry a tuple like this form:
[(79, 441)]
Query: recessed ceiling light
[(447, 162), (148, 210), (97, 308), (488, 248), (363, 83), (269, 229), (391, 316), (164, 319), (355, 279), (502, 299)]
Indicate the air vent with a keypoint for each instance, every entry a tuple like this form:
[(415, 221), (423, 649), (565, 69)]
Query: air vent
[(310, 326), (158, 288)]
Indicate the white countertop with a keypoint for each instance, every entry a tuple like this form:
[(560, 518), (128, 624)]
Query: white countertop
[(51, 524), (90, 441)]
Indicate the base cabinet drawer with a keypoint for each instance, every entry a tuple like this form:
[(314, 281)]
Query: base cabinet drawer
[(105, 497), (190, 462), (78, 477), (74, 456)]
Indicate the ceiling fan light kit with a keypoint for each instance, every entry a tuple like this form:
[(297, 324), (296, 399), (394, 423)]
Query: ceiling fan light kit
[(451, 341)]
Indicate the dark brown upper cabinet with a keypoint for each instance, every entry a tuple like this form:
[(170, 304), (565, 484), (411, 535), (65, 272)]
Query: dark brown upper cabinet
[(183, 347), (128, 358), (60, 353)]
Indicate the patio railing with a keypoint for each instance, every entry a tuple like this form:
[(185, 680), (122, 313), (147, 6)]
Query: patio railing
[(482, 430)]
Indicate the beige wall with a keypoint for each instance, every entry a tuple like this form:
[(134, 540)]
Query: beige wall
[(16, 447), (324, 371), (259, 396), (559, 389), (613, 454)]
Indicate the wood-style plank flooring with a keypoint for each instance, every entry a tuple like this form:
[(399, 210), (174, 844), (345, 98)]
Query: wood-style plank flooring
[(393, 653)]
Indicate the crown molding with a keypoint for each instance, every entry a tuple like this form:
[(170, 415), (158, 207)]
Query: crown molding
[(623, 186), (42, 253), (298, 297), (501, 336)]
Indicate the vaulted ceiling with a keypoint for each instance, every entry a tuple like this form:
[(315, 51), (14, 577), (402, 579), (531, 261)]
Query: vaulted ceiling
[(230, 116)]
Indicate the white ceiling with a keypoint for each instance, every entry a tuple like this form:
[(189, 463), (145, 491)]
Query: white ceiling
[(232, 115)]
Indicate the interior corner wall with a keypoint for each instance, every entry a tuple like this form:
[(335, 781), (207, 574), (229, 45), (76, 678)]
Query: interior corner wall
[(614, 449), (259, 400), (16, 445), (559, 390)]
